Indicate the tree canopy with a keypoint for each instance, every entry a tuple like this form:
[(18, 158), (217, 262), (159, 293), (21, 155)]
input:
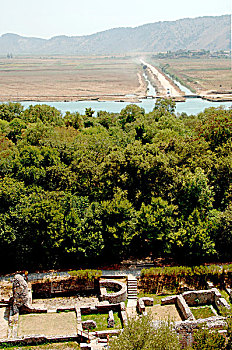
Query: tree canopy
[(82, 188)]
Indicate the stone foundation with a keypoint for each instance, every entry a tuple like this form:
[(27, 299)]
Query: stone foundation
[(119, 295)]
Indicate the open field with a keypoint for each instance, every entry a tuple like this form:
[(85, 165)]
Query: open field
[(70, 78), (202, 75)]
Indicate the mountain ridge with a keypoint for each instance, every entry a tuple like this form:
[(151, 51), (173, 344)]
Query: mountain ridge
[(207, 32)]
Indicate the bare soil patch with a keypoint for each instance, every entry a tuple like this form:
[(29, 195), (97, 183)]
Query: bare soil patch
[(48, 324), (162, 312)]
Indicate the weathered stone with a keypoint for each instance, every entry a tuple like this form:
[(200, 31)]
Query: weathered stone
[(21, 295), (169, 300), (199, 297), (221, 302), (119, 295), (110, 320), (184, 309), (140, 306), (148, 301), (89, 324), (123, 306)]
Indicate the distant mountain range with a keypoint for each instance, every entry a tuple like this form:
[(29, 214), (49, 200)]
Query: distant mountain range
[(210, 33)]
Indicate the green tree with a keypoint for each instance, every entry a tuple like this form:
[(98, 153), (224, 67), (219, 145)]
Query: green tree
[(9, 111), (129, 114), (43, 113), (156, 223)]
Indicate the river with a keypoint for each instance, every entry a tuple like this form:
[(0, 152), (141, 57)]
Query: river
[(191, 106)]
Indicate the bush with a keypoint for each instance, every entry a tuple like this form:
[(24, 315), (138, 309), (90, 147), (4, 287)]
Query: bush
[(141, 334), (205, 339)]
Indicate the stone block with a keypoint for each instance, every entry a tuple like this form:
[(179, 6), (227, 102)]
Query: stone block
[(223, 303), (169, 300), (89, 324), (21, 295), (110, 320), (140, 306), (148, 301), (123, 306), (124, 318)]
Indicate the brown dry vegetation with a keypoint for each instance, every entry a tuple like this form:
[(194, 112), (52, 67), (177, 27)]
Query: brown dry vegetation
[(69, 78), (202, 74)]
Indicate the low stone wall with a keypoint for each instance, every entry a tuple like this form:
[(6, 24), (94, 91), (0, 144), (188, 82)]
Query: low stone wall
[(39, 339), (120, 293), (184, 309)]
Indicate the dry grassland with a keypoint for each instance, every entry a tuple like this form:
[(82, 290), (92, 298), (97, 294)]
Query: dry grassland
[(202, 74), (69, 78)]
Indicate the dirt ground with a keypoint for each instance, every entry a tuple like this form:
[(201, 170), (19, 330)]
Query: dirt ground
[(202, 74), (48, 324), (69, 78), (161, 312)]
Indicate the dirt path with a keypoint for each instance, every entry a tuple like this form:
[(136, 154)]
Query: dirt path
[(169, 88)]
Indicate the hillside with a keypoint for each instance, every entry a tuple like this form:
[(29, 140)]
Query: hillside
[(210, 33)]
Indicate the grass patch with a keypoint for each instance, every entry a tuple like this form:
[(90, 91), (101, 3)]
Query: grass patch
[(101, 320), (202, 312), (50, 346)]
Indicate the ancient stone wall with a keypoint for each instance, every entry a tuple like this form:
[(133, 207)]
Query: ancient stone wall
[(119, 295), (64, 286), (184, 309)]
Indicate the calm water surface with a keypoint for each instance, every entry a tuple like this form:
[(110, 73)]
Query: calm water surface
[(191, 106)]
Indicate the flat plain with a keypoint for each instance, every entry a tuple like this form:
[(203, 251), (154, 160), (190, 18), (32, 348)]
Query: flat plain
[(201, 74), (70, 78)]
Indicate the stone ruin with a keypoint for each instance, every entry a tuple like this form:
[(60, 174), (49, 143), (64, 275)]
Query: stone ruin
[(21, 294), (183, 302)]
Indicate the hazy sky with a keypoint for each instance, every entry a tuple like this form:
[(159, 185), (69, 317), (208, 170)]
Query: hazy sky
[(47, 18)]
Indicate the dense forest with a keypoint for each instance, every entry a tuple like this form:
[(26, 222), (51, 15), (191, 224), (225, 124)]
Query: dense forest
[(84, 188)]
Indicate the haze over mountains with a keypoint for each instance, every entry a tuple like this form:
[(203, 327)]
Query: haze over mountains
[(210, 33)]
